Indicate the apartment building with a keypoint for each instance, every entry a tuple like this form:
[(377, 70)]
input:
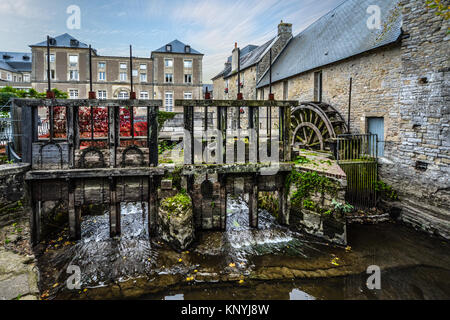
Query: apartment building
[(172, 72), (178, 74), (15, 70)]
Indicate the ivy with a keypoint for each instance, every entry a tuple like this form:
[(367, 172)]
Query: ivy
[(308, 183)]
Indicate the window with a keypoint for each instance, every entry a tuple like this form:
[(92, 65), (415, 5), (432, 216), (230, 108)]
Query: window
[(188, 96), (169, 48), (144, 94), (123, 95), (102, 76), (135, 73), (188, 64), (123, 76), (52, 58), (169, 101), (169, 77), (188, 78), (26, 78), (73, 94), (143, 67), (318, 86), (8, 76), (73, 61), (143, 77), (123, 66), (15, 78), (73, 75), (52, 74), (101, 65), (187, 49), (168, 63), (102, 94)]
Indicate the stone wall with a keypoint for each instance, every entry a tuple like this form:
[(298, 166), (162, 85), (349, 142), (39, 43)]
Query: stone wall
[(375, 88), (12, 193), (419, 163), (311, 201)]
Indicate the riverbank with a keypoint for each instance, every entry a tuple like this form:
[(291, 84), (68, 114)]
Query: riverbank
[(18, 270)]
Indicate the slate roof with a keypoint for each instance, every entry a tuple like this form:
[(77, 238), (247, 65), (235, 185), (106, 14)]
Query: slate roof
[(177, 47), (340, 34), (250, 55), (63, 41), (15, 61)]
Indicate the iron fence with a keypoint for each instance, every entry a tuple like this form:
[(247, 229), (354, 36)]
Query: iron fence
[(357, 156)]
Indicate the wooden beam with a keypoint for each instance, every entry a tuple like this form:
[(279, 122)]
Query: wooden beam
[(85, 102), (234, 103)]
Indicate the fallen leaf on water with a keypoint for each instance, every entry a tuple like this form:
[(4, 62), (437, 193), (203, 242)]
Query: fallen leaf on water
[(180, 260), (348, 249), (55, 285), (232, 265), (241, 281)]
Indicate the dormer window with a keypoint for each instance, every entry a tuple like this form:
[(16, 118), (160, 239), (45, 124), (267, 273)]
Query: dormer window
[(26, 58), (74, 43), (169, 48), (187, 49), (52, 41)]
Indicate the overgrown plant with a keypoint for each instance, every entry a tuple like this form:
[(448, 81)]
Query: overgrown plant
[(386, 190), (342, 208)]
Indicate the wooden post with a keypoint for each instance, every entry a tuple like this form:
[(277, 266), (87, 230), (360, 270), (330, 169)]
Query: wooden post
[(153, 136), (253, 204), (283, 216), (27, 133), (287, 134), (152, 205), (189, 127), (71, 135), (74, 213), (223, 202), (114, 209), (114, 127)]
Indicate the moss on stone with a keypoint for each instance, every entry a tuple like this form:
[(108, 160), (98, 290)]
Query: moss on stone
[(177, 204)]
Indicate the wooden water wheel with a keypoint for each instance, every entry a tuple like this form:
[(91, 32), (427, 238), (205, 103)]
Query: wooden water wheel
[(314, 123)]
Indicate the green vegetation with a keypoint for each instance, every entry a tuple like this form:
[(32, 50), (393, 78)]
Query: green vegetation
[(176, 204), (268, 201), (342, 207), (163, 116), (7, 93), (307, 183), (302, 160), (165, 146), (386, 191)]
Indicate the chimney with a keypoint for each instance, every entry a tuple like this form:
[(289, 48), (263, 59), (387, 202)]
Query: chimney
[(234, 58), (285, 30)]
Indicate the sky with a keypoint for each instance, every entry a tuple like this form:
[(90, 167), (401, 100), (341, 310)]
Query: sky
[(110, 26)]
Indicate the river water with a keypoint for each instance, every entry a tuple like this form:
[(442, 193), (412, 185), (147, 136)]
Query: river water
[(271, 262)]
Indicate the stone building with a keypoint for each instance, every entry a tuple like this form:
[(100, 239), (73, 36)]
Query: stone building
[(172, 72), (254, 61), (400, 91), (15, 70)]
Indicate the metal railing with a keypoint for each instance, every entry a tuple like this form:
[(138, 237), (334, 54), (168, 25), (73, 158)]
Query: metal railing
[(357, 156)]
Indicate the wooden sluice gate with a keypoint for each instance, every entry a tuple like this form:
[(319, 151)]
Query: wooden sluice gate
[(102, 153)]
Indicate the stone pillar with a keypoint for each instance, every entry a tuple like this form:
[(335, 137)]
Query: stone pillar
[(283, 206)]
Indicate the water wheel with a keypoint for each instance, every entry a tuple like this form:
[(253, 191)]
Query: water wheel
[(314, 123)]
